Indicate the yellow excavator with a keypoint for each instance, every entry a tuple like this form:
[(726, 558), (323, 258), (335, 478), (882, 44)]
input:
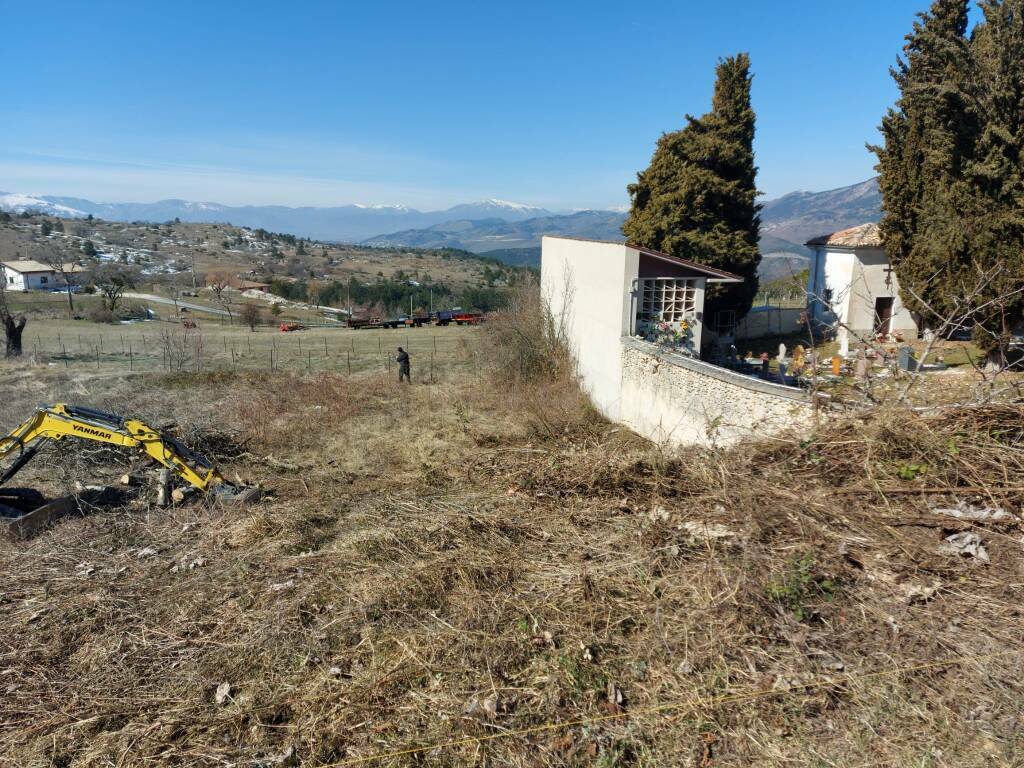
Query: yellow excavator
[(60, 422)]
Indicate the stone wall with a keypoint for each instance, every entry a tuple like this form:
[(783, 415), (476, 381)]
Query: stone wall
[(677, 400)]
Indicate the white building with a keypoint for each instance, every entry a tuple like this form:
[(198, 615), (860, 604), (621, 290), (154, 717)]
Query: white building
[(26, 275), (600, 292), (853, 289)]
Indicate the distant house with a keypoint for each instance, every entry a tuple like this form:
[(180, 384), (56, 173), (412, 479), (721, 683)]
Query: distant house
[(853, 289), (27, 275), (252, 285)]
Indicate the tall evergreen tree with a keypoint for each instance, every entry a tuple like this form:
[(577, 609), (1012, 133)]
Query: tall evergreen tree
[(951, 171), (697, 198), (996, 174)]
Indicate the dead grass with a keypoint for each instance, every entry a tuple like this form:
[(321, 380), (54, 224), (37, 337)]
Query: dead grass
[(479, 557)]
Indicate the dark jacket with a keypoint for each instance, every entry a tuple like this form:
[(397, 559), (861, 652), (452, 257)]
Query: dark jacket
[(403, 359)]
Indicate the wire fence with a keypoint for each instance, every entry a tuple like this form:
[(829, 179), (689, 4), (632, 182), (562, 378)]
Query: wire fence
[(167, 347)]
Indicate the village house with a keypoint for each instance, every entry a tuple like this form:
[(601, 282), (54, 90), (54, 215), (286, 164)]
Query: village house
[(27, 275), (853, 290), (251, 285)]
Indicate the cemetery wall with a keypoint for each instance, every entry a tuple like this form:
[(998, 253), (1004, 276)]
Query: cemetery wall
[(673, 399)]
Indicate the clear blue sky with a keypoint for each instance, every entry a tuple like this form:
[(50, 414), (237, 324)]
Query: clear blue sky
[(426, 104)]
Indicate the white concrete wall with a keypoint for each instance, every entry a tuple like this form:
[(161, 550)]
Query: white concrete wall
[(587, 288), (680, 401), (869, 283), (16, 281)]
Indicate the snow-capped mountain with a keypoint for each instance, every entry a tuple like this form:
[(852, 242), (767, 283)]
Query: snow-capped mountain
[(496, 209), (19, 203)]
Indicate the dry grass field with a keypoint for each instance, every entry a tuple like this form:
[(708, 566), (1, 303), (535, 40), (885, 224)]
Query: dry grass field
[(480, 571)]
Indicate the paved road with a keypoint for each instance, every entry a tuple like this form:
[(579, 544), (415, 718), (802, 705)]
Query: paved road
[(165, 300)]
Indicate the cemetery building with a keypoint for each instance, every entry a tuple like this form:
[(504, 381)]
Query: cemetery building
[(633, 320), (853, 289)]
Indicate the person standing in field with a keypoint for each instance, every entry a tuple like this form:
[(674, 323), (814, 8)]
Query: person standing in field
[(403, 366)]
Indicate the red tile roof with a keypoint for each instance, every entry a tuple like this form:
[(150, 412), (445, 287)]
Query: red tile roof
[(861, 236)]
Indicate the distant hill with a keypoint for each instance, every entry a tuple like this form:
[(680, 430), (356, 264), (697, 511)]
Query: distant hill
[(787, 223), (494, 234), (346, 223), (799, 216)]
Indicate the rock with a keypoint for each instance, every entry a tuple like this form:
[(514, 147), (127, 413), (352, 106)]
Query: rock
[(334, 671), (282, 586), (145, 552), (222, 693), (964, 544)]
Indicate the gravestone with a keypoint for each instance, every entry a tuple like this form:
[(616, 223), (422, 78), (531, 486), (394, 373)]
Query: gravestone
[(860, 369), (905, 359)]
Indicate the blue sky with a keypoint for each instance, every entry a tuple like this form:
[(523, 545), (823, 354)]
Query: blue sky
[(427, 104)]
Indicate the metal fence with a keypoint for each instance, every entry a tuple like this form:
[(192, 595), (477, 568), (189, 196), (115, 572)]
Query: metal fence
[(166, 347)]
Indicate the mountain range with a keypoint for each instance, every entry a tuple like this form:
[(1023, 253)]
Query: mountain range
[(507, 231), (346, 223)]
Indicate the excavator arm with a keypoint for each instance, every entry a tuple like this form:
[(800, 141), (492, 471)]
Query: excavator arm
[(61, 421)]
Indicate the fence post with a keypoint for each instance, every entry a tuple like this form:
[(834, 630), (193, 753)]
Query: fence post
[(348, 362), (309, 360), (431, 367), (325, 347), (131, 359)]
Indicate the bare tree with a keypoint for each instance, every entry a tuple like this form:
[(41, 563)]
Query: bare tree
[(14, 325), (112, 280), (220, 282), (251, 315), (66, 270)]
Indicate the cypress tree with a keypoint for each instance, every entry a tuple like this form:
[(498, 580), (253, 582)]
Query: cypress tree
[(951, 171), (928, 137), (697, 198), (996, 174)]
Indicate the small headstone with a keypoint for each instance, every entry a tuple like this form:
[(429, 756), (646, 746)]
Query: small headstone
[(782, 351), (860, 368), (905, 359)]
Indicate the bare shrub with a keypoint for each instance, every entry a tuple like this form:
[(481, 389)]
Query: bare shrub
[(251, 315), (524, 341), (528, 359), (181, 349), (101, 315)]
